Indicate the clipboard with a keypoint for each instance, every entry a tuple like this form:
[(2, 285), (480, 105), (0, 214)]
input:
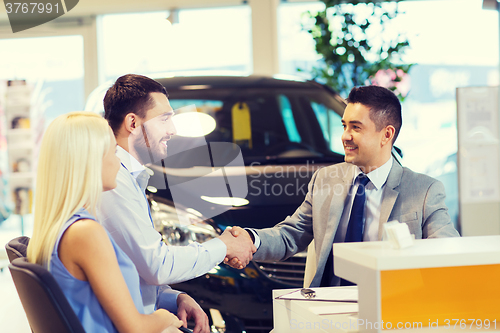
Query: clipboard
[(337, 294)]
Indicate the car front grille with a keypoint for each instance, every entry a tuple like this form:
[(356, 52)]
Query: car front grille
[(290, 271)]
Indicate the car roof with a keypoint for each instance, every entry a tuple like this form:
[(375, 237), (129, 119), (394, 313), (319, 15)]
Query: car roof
[(229, 82), (234, 82)]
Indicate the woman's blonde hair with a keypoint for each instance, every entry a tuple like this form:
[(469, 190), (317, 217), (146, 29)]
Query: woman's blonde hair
[(69, 177)]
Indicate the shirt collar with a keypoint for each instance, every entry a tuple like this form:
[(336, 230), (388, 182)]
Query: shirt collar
[(379, 176), (129, 162)]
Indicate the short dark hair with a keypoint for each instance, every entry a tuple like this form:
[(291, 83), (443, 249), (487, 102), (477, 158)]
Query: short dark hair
[(385, 108), (130, 94)]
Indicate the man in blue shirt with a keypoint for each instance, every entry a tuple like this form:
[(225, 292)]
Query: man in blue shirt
[(140, 115)]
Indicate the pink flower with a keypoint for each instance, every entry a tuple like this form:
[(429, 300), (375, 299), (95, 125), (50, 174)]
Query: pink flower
[(387, 78), (403, 86)]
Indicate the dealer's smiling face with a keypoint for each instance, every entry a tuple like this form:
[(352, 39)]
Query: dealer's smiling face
[(362, 142)]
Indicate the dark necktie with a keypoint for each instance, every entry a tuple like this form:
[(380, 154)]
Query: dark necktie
[(354, 229)]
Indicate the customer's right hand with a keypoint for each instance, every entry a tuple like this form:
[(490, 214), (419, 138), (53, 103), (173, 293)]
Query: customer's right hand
[(240, 247)]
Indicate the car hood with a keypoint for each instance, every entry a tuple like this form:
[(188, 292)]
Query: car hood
[(265, 190)]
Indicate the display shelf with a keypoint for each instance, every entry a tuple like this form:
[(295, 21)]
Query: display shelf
[(18, 95), (18, 112), (20, 149), (14, 176), (17, 146), (19, 132), (5, 204)]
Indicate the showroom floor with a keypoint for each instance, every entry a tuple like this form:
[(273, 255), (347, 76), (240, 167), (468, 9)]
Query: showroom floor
[(12, 317)]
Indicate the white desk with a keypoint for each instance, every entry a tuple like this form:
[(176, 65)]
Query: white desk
[(297, 316), (434, 280)]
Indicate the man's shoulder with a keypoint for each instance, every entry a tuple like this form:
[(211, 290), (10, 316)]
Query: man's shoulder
[(125, 186), (340, 166), (121, 204), (412, 178), (124, 177), (336, 170)]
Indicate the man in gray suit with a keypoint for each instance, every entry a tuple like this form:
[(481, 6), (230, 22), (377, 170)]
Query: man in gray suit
[(372, 120)]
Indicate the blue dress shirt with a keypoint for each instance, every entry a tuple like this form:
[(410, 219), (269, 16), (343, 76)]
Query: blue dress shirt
[(124, 212)]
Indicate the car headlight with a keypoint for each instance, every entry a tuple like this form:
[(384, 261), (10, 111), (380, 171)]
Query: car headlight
[(179, 226)]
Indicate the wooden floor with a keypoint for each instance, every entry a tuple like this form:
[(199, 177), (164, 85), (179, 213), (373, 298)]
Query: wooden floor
[(12, 316)]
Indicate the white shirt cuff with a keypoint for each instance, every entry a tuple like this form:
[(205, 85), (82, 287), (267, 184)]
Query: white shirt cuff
[(167, 299), (255, 236)]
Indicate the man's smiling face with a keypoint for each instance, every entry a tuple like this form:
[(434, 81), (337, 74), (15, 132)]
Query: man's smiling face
[(362, 142), (156, 129)]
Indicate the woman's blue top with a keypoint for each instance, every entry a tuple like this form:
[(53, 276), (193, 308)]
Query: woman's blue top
[(79, 293)]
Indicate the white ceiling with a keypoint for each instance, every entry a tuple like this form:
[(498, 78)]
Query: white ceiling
[(94, 7)]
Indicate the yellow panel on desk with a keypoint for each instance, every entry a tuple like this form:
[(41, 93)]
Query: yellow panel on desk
[(440, 294)]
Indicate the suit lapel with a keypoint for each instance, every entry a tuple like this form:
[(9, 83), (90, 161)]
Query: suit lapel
[(339, 190), (390, 195)]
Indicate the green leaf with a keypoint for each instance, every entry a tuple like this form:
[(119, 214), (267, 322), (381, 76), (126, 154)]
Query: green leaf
[(339, 38)]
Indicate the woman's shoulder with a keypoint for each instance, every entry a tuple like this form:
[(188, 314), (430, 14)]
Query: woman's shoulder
[(85, 230), (85, 223)]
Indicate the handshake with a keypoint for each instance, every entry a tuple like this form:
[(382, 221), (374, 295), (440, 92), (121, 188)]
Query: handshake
[(240, 248)]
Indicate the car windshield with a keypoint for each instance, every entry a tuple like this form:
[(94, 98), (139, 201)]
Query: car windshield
[(267, 124)]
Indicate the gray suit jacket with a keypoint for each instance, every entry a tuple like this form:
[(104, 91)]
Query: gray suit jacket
[(409, 197)]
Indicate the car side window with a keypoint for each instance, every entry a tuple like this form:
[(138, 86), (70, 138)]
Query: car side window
[(331, 126), (288, 119)]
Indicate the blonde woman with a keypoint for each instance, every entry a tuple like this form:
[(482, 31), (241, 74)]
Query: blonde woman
[(77, 162)]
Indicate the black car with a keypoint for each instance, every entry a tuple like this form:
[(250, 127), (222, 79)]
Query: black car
[(285, 130)]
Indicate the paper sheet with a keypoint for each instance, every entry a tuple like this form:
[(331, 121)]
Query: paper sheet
[(335, 308), (339, 294)]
